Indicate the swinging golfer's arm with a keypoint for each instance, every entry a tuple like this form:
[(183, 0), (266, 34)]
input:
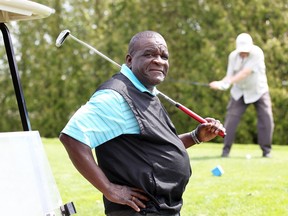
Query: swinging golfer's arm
[(240, 75), (245, 72), (83, 159)]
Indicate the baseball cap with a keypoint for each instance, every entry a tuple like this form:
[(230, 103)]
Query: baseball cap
[(244, 42)]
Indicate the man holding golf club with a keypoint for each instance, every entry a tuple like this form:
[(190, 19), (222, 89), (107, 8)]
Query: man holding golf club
[(142, 165), (246, 71)]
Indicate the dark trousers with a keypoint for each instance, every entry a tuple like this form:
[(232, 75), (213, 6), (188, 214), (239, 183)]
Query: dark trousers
[(133, 213), (265, 123)]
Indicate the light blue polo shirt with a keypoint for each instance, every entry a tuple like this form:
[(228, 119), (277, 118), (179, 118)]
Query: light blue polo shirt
[(105, 116)]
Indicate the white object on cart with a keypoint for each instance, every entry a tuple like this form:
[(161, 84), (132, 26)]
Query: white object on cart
[(14, 10)]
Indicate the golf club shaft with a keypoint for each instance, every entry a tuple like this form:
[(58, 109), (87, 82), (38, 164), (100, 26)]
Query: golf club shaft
[(95, 50), (200, 84), (187, 82), (178, 105)]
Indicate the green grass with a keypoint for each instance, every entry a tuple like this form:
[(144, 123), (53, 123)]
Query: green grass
[(254, 187)]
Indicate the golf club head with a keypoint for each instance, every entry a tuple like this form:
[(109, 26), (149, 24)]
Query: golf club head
[(61, 38)]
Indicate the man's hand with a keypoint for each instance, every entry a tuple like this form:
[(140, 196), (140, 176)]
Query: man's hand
[(124, 195), (209, 130), (220, 85)]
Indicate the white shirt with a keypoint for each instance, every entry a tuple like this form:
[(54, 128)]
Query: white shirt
[(253, 86)]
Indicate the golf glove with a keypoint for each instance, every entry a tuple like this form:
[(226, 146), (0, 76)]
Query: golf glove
[(222, 85)]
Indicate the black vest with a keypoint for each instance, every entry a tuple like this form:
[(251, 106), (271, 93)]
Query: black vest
[(154, 160)]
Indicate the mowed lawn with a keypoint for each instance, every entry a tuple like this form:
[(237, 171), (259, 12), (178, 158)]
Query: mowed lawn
[(255, 187)]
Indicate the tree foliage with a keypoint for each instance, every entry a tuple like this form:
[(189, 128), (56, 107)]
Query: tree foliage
[(200, 34)]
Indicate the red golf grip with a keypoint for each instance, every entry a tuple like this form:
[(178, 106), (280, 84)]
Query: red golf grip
[(195, 116)]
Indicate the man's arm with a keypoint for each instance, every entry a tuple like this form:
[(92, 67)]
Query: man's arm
[(204, 132), (83, 159), (227, 81), (239, 76)]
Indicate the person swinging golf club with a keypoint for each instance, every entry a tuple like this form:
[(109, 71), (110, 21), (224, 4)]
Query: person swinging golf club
[(142, 164), (246, 71)]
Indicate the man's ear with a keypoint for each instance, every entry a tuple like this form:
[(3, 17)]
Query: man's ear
[(129, 61)]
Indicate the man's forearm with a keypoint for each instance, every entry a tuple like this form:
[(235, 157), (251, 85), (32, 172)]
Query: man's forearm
[(83, 160), (240, 76)]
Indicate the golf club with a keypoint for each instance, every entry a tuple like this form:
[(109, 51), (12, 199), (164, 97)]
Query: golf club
[(199, 84), (187, 82), (65, 33)]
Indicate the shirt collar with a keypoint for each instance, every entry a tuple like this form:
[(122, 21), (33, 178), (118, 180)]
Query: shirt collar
[(130, 75)]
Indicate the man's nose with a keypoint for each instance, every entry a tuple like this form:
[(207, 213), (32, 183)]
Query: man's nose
[(158, 59)]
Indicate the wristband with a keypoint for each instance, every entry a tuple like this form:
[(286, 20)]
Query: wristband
[(194, 137)]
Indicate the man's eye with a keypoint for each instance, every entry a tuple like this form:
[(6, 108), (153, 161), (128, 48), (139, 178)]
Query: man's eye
[(148, 55)]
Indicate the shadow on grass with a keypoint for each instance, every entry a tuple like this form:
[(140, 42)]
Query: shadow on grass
[(206, 158)]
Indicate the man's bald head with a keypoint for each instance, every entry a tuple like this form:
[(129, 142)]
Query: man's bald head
[(136, 39)]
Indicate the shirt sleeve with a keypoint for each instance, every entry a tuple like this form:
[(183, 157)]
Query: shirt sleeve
[(231, 62), (102, 118)]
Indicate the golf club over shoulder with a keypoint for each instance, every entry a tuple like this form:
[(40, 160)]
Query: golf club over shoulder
[(187, 111), (65, 33)]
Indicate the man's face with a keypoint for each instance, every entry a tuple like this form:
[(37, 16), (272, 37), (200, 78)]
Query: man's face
[(244, 54), (149, 61)]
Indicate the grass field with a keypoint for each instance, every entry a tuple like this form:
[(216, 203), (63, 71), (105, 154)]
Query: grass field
[(255, 187)]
